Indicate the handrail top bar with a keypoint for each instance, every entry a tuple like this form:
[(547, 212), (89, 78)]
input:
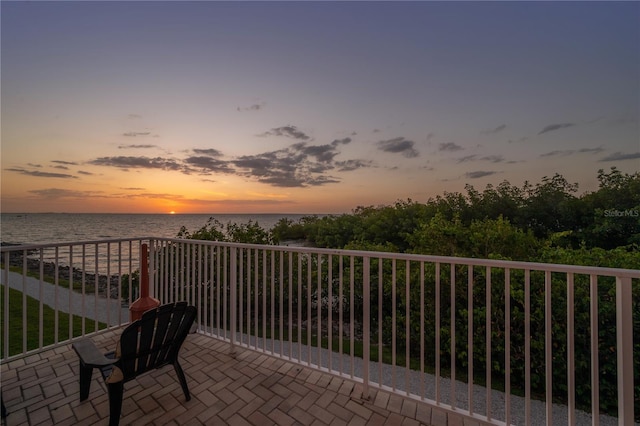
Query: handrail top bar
[(495, 263), (22, 247)]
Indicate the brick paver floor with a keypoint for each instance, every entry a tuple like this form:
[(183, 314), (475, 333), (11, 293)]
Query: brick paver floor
[(247, 388)]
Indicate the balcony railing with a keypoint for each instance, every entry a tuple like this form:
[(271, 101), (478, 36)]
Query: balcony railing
[(497, 341)]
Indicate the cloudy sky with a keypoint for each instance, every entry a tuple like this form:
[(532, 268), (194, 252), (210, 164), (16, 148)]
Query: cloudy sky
[(308, 107)]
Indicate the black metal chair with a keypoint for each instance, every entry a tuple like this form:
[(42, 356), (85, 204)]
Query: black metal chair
[(146, 344)]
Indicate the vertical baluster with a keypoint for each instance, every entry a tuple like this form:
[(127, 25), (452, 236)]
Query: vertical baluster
[(624, 337), (452, 302), (422, 343), (571, 380), (470, 337), (273, 302), (407, 325), (71, 292), (96, 284), (233, 303), (330, 311), (393, 324), (507, 345), (547, 349), (352, 280), (290, 287), (264, 300), (309, 327), (380, 303), (595, 369), (300, 307), (281, 303), (488, 366), (437, 324), (366, 325), (5, 330), (56, 284), (108, 286), (527, 346), (319, 311)]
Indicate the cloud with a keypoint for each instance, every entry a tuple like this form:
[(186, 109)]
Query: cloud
[(134, 116), (287, 131), (399, 145), (489, 158), (208, 164), (254, 107), (37, 173), (479, 174), (209, 152), (552, 127), (65, 163), (146, 146), (620, 156), (350, 165), (494, 131), (322, 153), (493, 158), (135, 134), (467, 158), (566, 152), (592, 150), (133, 188), (82, 172), (557, 153), (138, 163), (430, 136), (57, 193), (449, 146), (298, 165)]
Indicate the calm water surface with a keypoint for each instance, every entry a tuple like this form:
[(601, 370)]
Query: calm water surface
[(36, 228)]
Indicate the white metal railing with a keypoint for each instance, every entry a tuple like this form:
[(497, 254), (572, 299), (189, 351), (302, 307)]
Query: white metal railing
[(63, 291), (537, 332), (345, 312)]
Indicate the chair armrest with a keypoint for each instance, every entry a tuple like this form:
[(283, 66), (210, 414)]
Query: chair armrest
[(90, 354)]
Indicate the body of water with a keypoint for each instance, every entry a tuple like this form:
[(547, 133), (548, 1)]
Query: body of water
[(37, 228)]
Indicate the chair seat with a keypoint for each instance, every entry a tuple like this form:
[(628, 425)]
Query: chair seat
[(149, 343)]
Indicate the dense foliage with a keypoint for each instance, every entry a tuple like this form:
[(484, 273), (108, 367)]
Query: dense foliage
[(504, 221), (546, 222)]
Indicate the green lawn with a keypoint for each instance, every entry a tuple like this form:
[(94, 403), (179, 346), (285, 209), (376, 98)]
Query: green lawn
[(33, 323)]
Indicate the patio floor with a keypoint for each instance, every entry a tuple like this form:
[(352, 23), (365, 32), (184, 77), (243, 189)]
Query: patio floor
[(249, 388)]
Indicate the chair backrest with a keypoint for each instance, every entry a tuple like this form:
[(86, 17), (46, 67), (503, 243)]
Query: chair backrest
[(155, 339)]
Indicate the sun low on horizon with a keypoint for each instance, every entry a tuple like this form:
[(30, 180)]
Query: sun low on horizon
[(309, 107)]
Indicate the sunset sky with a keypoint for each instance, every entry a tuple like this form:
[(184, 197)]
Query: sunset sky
[(308, 107)]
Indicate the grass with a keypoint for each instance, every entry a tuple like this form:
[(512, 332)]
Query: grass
[(17, 325)]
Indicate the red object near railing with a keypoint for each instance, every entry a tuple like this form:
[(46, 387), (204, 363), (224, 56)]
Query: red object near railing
[(144, 302)]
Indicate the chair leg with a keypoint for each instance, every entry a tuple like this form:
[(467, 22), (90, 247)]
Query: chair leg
[(4, 413), (116, 390), (85, 380), (182, 379)]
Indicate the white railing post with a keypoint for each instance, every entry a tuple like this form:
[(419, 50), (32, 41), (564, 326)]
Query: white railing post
[(5, 330), (624, 332), (233, 287), (152, 270), (366, 325)]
